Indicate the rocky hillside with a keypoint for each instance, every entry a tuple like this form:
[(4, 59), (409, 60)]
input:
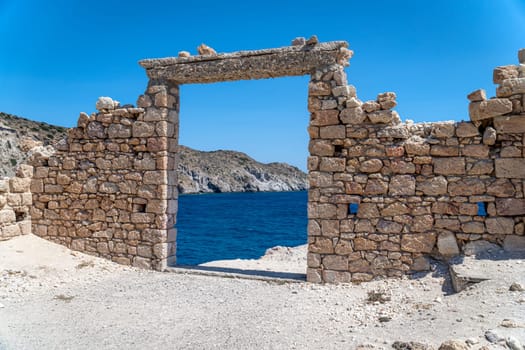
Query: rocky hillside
[(199, 172), (229, 171), (18, 135)]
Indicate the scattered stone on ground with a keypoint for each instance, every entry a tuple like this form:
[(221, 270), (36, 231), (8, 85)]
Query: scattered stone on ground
[(46, 289)]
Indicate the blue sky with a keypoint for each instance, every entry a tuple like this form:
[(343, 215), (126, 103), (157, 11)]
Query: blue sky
[(59, 56)]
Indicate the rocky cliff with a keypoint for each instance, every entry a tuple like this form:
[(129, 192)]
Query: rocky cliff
[(199, 172), (229, 171), (18, 135)]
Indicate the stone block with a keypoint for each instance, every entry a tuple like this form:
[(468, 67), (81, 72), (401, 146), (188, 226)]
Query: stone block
[(443, 130), (11, 230), (371, 106), (514, 243), (119, 131), (446, 151), (513, 124), (396, 132), (417, 146), (422, 223), (155, 178), (510, 152), (478, 247), (18, 184), (142, 218), (388, 227), (480, 167), (473, 227), (376, 186), (321, 148), (504, 72), (384, 117), (447, 244), (489, 109), (489, 136), (96, 130), (511, 168), (500, 225), (324, 117), (368, 210), (512, 86), (521, 56), (510, 206), (321, 245), (433, 186), (466, 129), (330, 228), (353, 102), (4, 185), (335, 262), (395, 209), (476, 96), (449, 166), (332, 164), (332, 132), (314, 275), (475, 151), (466, 187), (143, 129), (352, 115), (418, 242), (319, 88), (313, 260), (387, 100), (336, 276), (448, 224), (24, 171), (106, 104), (402, 185), (501, 188), (141, 262), (371, 166), (361, 243), (344, 247)]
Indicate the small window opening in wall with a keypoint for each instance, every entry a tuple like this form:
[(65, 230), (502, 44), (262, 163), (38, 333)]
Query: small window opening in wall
[(139, 208), (482, 208), (20, 216), (353, 208), (338, 150)]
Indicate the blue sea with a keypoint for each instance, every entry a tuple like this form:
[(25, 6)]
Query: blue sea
[(238, 225)]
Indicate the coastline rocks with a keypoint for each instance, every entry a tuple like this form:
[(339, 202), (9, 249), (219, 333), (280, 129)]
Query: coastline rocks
[(229, 171)]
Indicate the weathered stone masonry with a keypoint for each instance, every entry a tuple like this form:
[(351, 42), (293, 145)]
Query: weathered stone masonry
[(382, 194), (108, 190), (15, 203)]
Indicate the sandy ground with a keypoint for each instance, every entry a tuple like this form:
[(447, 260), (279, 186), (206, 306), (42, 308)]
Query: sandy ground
[(52, 298)]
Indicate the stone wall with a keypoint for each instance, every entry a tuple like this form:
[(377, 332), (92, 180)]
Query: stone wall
[(15, 203), (383, 194), (106, 189)]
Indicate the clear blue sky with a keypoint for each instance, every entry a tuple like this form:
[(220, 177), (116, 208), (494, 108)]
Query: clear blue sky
[(57, 57)]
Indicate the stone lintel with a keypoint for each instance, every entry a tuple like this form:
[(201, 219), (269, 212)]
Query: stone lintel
[(245, 65)]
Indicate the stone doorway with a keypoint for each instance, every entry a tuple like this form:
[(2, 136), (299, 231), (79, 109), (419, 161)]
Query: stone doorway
[(162, 98)]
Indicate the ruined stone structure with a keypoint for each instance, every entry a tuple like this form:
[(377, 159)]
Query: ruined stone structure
[(382, 194), (15, 203)]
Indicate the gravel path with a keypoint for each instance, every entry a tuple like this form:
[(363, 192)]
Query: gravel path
[(52, 298)]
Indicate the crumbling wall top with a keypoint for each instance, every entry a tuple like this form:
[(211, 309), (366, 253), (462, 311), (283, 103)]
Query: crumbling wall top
[(245, 65)]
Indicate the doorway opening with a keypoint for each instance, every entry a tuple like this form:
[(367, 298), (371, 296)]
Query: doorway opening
[(241, 208)]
